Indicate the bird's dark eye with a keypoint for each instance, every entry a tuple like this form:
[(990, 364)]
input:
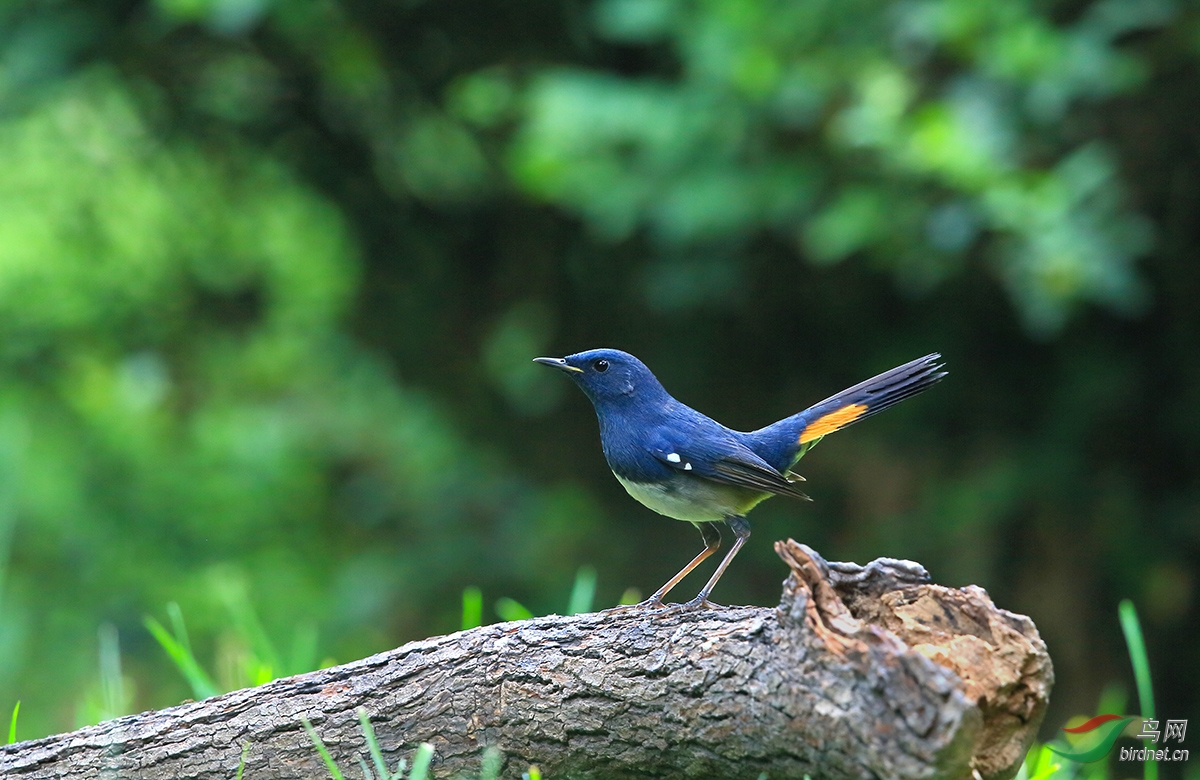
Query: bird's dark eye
[(600, 365)]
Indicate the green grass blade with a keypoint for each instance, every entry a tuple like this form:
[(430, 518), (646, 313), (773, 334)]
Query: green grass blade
[(372, 744), (490, 765), (324, 751), (1136, 643), (248, 627), (1137, 656), (12, 725), (472, 608), (421, 759), (175, 615), (509, 610), (242, 761), (1045, 765), (179, 652), (112, 682), (583, 593), (366, 770)]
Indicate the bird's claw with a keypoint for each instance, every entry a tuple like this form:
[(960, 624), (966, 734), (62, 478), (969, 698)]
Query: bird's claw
[(654, 603), (650, 603), (700, 602)]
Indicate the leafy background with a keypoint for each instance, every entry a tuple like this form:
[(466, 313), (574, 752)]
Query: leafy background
[(272, 271)]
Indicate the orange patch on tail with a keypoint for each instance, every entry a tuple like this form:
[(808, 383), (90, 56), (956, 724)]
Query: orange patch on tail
[(829, 423)]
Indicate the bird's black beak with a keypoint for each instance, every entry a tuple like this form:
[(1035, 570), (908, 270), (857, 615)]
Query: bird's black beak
[(559, 363)]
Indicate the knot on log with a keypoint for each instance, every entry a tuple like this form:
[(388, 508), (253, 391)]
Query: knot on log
[(1000, 661), (861, 672)]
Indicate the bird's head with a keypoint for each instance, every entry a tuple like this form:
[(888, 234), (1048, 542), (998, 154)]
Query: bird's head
[(608, 375)]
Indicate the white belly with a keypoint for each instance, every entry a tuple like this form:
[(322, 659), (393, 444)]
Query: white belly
[(699, 502)]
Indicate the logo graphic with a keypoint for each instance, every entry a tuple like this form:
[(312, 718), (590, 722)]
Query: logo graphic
[(1175, 728), (1103, 731), (1105, 728)]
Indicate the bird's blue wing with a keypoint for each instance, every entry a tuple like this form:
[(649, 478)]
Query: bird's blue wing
[(716, 455)]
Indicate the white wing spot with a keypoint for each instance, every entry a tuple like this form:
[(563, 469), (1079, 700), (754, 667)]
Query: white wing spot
[(687, 467), (674, 457)]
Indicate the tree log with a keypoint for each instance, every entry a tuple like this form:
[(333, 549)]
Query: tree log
[(861, 672)]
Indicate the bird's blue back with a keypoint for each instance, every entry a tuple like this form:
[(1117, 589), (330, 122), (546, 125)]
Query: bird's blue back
[(627, 433)]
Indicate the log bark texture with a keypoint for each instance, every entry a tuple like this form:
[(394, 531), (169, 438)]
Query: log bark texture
[(861, 672)]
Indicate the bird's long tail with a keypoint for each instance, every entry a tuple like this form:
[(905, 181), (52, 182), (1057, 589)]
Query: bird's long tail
[(788, 439), (868, 398)]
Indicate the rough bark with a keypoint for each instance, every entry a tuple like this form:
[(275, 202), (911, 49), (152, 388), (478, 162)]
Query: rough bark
[(861, 672)]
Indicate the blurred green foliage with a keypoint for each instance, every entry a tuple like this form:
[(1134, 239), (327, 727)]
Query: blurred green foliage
[(271, 274), (824, 123)]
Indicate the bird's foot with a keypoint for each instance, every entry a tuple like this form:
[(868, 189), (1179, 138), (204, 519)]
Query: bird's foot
[(700, 602), (651, 603)]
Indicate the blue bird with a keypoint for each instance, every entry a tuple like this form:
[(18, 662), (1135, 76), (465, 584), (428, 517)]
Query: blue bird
[(687, 466)]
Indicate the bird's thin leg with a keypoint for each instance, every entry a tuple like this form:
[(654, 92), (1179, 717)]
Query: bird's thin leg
[(741, 532), (712, 543)]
